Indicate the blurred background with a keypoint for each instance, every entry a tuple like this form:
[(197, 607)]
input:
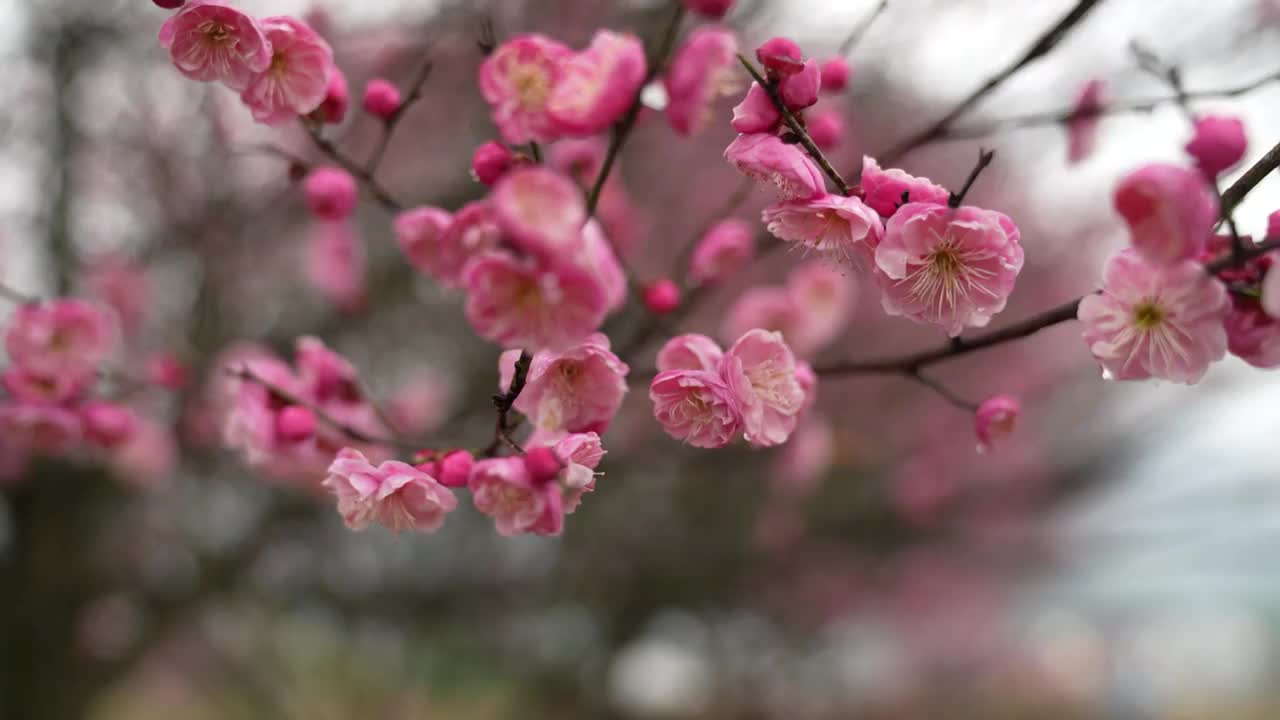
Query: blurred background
[(1115, 559)]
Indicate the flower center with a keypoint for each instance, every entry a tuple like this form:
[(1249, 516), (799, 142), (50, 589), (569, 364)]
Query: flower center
[(279, 63), (532, 86), (216, 33), (1147, 315), (945, 265)]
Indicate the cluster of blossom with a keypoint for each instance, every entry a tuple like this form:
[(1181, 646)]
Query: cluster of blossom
[(810, 310)]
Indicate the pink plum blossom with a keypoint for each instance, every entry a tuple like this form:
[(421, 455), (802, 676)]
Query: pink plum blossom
[(883, 189), (518, 80), (580, 454), (1170, 212), (516, 302), (822, 298), (331, 193), (393, 494), (578, 390), (690, 351), (421, 401), (62, 336), (780, 56), (768, 307), (1218, 144), (503, 489), (598, 85), (28, 385), (297, 80), (696, 406), (1082, 125), (703, 69), (995, 420), (766, 159), (336, 264), (799, 90), (473, 231), (756, 113), (598, 260), (40, 428), (420, 234), (840, 228), (541, 211), (210, 41), (382, 98), (835, 75), (728, 246), (1155, 321), (954, 268), (827, 128), (107, 424), (760, 370), (1252, 334)]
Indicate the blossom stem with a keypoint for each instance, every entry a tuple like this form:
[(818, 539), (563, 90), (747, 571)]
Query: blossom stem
[(941, 390), (503, 403), (392, 122), (657, 60), (797, 128), (984, 159), (362, 173)]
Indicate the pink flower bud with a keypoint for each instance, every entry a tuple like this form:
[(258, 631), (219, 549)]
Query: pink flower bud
[(382, 98), (996, 419), (169, 4), (542, 464), (835, 75), (826, 128), (1218, 143), (336, 99), (167, 371), (295, 424), (662, 297), (1170, 212), (454, 469), (800, 90), (756, 113), (331, 193), (107, 424), (714, 9), (780, 56), (490, 162)]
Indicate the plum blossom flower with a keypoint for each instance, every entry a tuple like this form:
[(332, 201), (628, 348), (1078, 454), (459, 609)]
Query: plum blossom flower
[(1252, 334), (701, 71), (822, 298), (518, 80), (780, 56), (883, 189), (690, 351), (760, 370), (580, 454), (210, 41), (336, 263), (768, 307), (473, 231), (541, 211), (106, 423), (393, 494), (756, 113), (995, 420), (726, 248), (696, 406), (799, 90), (517, 302), (578, 390), (597, 259), (765, 158), (491, 161), (950, 267), (841, 228), (503, 489), (1082, 125), (419, 233), (1170, 212), (1218, 144), (598, 85), (63, 336), (297, 80), (1155, 321), (40, 428), (331, 193)]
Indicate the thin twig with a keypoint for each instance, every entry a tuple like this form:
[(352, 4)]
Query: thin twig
[(503, 402), (984, 159), (329, 149), (941, 390), (392, 122), (853, 38)]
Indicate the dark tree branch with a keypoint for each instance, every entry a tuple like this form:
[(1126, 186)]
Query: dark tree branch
[(984, 159), (503, 403), (391, 123), (853, 38)]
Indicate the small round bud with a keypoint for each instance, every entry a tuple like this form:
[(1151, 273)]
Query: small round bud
[(1218, 144), (382, 98), (454, 469), (169, 4), (490, 162), (167, 371), (295, 424), (542, 464), (800, 89), (107, 424), (662, 296), (835, 75), (827, 129), (995, 420), (331, 193), (714, 9), (780, 56)]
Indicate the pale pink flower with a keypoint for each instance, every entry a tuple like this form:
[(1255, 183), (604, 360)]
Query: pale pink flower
[(823, 300), (503, 489), (954, 268), (1218, 144), (579, 158), (210, 41), (766, 159), (516, 302), (799, 90), (336, 264), (382, 98), (518, 80), (598, 259), (690, 352), (394, 494), (578, 390), (768, 307), (1082, 125), (598, 85), (1155, 321), (696, 406), (420, 235), (28, 385), (760, 370), (331, 193), (1170, 211), (703, 69), (726, 248), (39, 428), (581, 454), (473, 231), (541, 211), (995, 420), (297, 80), (756, 113), (835, 75), (839, 228), (883, 189), (62, 336)]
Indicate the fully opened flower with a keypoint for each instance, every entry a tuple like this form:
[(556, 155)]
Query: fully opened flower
[(761, 372), (841, 228), (541, 211), (1170, 211), (517, 302), (473, 231), (703, 69), (696, 406), (578, 390), (518, 80), (210, 41), (765, 158), (884, 190), (1155, 321), (950, 267), (726, 248), (63, 336), (393, 494), (503, 489), (297, 80), (598, 85), (419, 233), (690, 351)]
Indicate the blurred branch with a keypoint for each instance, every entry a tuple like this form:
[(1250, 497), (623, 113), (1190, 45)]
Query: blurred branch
[(984, 159), (16, 296), (1042, 45), (389, 126), (330, 150), (941, 390), (853, 38)]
